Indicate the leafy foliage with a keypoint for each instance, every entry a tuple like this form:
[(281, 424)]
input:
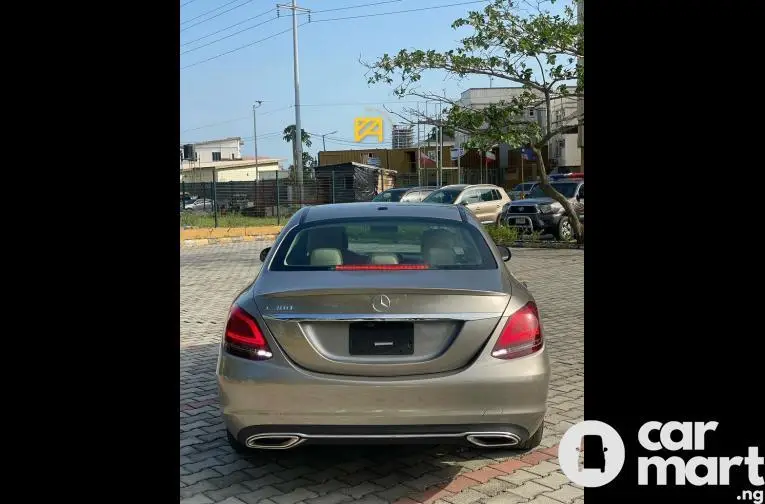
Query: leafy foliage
[(539, 51)]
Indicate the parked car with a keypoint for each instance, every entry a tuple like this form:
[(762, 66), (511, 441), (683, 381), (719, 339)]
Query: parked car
[(375, 322), (403, 194), (520, 191), (539, 212), (484, 200), (200, 205)]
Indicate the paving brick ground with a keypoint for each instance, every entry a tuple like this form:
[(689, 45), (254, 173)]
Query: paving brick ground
[(211, 472)]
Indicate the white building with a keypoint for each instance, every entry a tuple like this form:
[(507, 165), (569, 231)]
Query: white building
[(241, 170), (225, 149), (563, 148)]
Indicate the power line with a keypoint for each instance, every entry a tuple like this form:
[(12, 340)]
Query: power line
[(238, 48), (328, 104), (227, 36), (226, 28), (400, 12), (209, 12), (186, 3), (348, 7), (217, 15), (372, 4), (332, 19), (251, 137), (235, 119)]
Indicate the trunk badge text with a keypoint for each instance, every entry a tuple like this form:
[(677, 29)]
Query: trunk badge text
[(280, 308), (381, 303)]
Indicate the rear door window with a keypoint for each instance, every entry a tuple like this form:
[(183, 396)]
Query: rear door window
[(471, 196)]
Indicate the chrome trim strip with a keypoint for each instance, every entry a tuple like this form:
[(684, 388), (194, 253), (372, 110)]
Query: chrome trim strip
[(363, 317)]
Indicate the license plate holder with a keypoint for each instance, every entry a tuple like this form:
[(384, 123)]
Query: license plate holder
[(380, 338)]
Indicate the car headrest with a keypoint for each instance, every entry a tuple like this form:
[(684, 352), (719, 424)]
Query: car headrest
[(440, 256), (326, 257), (384, 259)]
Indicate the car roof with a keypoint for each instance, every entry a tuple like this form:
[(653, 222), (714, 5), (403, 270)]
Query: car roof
[(380, 209)]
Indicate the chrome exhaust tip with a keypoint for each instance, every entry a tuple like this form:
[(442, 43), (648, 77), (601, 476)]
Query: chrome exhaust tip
[(493, 439), (273, 441)]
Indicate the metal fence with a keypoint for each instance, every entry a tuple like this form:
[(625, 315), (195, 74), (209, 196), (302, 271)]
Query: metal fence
[(263, 202)]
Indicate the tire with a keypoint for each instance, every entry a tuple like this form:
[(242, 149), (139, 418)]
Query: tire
[(564, 231), (534, 440), (236, 445)]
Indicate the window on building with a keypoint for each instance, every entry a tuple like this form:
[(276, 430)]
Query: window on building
[(532, 112), (216, 156)]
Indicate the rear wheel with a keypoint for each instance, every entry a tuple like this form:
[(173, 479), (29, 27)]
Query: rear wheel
[(534, 440)]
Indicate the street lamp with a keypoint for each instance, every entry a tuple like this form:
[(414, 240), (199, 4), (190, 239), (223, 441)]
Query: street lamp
[(324, 142)]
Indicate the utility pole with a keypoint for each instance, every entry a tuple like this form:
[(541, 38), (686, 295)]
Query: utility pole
[(298, 141), (257, 104)]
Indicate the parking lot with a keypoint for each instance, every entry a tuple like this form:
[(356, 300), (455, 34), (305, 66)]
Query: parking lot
[(212, 276)]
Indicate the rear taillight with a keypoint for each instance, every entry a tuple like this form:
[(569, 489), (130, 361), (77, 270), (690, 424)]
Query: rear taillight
[(522, 334), (244, 337)]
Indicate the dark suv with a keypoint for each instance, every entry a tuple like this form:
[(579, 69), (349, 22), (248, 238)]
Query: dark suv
[(539, 212)]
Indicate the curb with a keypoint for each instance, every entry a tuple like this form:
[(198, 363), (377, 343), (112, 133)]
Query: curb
[(196, 237), (544, 245), (199, 242)]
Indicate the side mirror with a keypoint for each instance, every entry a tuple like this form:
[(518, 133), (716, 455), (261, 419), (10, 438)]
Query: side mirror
[(264, 254), (505, 252), (464, 203)]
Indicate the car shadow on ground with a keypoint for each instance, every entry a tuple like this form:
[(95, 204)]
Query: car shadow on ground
[(388, 471)]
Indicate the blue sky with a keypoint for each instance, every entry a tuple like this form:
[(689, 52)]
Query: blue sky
[(217, 96)]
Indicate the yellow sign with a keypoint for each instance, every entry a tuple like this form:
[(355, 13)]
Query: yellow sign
[(368, 126)]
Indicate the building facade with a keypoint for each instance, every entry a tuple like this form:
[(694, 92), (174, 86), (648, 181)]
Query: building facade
[(225, 149), (243, 170)]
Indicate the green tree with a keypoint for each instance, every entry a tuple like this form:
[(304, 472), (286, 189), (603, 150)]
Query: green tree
[(308, 160), (540, 51), (445, 131)]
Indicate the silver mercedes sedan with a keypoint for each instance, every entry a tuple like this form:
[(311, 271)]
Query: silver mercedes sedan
[(383, 322)]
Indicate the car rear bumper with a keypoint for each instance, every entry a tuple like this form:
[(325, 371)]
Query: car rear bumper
[(276, 396)]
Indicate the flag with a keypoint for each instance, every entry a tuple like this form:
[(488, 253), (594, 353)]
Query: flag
[(426, 161), (528, 154), (490, 156)]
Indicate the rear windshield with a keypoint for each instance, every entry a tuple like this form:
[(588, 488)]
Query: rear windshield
[(402, 243), (442, 196)]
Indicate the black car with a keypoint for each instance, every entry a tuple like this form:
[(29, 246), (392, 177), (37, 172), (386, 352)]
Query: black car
[(539, 212), (403, 194)]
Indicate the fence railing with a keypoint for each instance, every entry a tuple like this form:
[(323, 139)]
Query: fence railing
[(267, 202)]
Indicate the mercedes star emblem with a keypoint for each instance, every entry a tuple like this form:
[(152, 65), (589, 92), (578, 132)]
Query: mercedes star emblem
[(381, 303)]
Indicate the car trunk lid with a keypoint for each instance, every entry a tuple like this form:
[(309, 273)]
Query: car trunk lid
[(382, 323)]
